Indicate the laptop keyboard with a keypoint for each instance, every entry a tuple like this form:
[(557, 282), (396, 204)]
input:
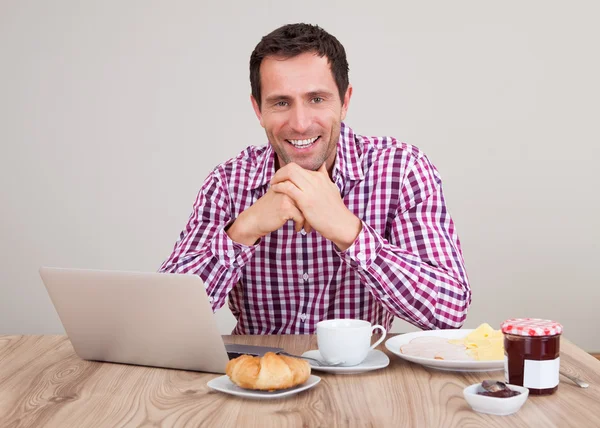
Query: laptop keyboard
[(235, 350), (233, 355)]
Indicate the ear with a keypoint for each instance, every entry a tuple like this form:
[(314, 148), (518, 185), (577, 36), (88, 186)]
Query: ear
[(257, 110), (346, 103)]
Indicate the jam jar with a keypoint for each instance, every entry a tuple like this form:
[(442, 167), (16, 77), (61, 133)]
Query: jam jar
[(531, 354)]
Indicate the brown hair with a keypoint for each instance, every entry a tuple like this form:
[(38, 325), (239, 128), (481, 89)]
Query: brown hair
[(295, 39)]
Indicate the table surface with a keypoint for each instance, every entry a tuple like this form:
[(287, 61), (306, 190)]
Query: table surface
[(44, 384)]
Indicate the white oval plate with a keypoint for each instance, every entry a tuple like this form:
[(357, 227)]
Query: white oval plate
[(375, 360), (224, 384), (393, 345)]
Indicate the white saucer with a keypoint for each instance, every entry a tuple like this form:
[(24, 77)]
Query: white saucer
[(224, 384), (375, 360)]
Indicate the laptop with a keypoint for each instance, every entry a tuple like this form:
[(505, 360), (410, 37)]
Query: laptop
[(149, 319)]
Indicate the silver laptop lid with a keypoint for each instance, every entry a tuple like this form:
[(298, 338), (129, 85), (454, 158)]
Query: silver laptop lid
[(150, 319)]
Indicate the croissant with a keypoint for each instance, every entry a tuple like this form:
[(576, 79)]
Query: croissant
[(268, 373)]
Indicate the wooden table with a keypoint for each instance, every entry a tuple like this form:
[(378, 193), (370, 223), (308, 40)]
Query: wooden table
[(44, 384)]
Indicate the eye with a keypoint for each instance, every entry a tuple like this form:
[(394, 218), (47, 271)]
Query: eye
[(317, 100), (281, 104)]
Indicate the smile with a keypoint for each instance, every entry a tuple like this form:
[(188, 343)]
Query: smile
[(302, 144)]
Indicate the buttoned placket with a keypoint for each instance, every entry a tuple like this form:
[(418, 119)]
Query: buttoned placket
[(305, 277)]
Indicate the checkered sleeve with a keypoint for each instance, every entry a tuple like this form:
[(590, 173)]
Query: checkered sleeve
[(417, 270), (205, 249)]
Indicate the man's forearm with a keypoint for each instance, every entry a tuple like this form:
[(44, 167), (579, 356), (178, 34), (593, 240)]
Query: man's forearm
[(426, 295), (218, 262), (204, 249), (414, 290), (239, 231), (345, 231)]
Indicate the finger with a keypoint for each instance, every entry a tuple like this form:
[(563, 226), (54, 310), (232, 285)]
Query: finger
[(324, 174), (307, 227), (323, 169), (288, 188), (294, 173), (298, 218)]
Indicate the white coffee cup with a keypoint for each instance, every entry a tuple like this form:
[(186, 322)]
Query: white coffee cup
[(346, 340)]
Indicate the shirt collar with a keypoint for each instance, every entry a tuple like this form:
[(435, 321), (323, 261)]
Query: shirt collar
[(265, 168), (347, 166), (348, 160)]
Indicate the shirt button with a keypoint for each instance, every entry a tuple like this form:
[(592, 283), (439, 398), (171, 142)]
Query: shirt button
[(361, 256), (210, 300), (305, 276), (230, 253), (302, 317), (303, 232)]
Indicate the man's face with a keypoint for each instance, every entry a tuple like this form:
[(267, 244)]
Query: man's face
[(301, 109)]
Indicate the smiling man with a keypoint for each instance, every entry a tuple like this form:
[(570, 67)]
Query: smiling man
[(321, 222)]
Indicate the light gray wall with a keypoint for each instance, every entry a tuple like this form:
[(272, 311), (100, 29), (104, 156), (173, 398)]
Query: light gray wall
[(112, 113)]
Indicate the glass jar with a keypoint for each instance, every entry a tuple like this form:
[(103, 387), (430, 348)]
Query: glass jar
[(532, 354)]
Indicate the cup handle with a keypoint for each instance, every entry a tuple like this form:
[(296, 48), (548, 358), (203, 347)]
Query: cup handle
[(382, 336)]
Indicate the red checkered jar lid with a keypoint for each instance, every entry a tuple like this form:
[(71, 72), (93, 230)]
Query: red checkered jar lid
[(531, 327)]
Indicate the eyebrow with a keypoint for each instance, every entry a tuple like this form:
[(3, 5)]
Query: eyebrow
[(320, 93), (273, 98), (311, 94)]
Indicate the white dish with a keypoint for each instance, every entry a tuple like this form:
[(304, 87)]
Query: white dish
[(224, 384), (375, 360), (494, 405), (394, 344)]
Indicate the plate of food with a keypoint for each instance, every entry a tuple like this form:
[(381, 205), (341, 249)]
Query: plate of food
[(267, 377), (465, 350)]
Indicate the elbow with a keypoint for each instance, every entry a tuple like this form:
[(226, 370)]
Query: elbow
[(452, 314)]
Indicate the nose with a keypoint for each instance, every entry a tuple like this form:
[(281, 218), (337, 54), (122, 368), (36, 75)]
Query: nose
[(299, 120)]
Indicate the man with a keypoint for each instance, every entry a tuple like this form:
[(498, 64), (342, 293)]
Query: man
[(321, 223)]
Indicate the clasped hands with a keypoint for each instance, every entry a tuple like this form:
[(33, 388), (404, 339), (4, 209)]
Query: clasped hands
[(309, 198)]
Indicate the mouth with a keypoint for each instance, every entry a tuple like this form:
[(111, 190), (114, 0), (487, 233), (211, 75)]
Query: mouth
[(304, 144)]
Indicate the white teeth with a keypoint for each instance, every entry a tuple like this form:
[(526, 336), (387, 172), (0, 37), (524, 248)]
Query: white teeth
[(303, 143)]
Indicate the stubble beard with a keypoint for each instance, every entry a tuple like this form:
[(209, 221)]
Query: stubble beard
[(321, 157)]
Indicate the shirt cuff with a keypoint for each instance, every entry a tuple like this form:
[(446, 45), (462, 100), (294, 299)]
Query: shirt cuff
[(231, 254), (365, 248)]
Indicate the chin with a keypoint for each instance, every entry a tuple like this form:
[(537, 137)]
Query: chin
[(312, 166)]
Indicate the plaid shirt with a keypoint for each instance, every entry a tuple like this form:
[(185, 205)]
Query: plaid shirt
[(405, 262)]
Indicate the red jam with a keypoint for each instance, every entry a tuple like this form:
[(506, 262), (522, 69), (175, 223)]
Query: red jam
[(532, 354)]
